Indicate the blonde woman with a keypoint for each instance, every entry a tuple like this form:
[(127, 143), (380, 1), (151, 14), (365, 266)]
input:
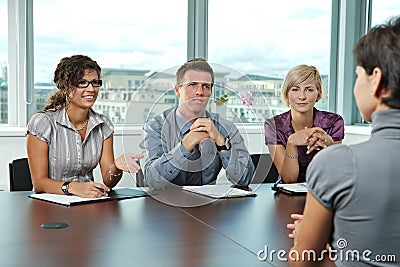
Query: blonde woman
[(294, 137)]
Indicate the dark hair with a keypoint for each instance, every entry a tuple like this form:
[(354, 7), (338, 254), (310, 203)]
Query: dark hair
[(68, 72), (380, 48), (199, 64)]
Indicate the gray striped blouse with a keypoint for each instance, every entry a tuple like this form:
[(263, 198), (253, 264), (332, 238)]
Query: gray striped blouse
[(70, 158)]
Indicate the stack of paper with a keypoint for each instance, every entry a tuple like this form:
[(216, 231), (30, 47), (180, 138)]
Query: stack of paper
[(292, 189), (218, 191)]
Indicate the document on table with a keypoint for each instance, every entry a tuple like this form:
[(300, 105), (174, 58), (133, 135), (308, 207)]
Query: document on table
[(68, 200), (291, 189), (219, 191)]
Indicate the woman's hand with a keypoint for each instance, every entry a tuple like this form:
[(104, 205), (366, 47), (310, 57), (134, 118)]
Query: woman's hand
[(128, 162), (295, 226), (318, 139), (301, 138), (88, 189)]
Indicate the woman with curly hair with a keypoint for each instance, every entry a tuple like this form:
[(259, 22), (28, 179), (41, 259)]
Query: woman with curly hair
[(67, 140)]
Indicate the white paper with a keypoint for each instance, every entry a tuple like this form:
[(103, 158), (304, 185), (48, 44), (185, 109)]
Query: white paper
[(296, 187), (218, 191), (64, 199)]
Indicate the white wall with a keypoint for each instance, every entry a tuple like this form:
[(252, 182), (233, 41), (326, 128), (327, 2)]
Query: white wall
[(12, 145)]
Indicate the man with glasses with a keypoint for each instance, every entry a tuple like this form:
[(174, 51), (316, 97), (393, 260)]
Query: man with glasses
[(187, 145)]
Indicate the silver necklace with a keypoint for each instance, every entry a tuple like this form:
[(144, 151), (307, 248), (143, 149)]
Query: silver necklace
[(84, 125)]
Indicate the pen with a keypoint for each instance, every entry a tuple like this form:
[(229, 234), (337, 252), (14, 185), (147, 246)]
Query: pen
[(101, 189), (277, 182)]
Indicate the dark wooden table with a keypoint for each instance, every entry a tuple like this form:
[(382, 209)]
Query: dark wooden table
[(171, 228)]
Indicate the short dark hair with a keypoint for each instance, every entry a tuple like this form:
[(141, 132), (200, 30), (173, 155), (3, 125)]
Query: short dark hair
[(199, 64), (380, 48)]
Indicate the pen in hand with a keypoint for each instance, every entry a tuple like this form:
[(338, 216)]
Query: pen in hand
[(280, 180)]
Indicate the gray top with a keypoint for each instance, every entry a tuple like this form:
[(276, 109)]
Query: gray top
[(70, 158), (166, 161), (360, 184)]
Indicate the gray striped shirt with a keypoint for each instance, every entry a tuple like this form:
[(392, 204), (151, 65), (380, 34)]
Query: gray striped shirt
[(70, 158)]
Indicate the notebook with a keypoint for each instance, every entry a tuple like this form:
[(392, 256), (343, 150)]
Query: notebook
[(119, 193), (219, 191), (291, 189)]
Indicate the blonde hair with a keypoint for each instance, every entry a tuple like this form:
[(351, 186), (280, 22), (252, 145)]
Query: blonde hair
[(301, 74)]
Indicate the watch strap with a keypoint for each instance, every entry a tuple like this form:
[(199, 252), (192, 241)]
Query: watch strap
[(226, 146), (64, 188)]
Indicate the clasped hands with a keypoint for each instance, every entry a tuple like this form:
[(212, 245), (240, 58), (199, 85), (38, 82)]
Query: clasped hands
[(202, 129), (314, 138)]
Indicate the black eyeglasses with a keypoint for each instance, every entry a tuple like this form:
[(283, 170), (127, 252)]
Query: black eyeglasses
[(85, 84)]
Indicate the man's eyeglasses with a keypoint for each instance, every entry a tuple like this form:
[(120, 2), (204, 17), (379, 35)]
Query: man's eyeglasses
[(85, 84), (193, 85)]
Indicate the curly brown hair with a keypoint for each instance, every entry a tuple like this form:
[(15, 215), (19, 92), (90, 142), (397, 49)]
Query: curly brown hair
[(68, 72)]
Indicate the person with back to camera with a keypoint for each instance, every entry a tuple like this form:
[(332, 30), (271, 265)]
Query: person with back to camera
[(67, 140), (187, 145), (294, 137), (353, 196)]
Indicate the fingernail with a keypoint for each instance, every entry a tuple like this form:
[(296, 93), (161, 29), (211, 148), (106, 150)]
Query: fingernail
[(308, 147), (308, 152)]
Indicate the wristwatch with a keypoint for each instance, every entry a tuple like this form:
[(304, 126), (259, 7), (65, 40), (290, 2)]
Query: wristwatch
[(226, 146), (64, 188)]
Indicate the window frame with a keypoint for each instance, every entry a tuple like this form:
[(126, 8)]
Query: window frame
[(350, 20)]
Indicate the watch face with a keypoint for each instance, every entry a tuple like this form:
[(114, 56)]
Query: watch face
[(228, 144), (64, 188)]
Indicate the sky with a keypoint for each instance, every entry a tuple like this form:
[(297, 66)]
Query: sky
[(265, 37)]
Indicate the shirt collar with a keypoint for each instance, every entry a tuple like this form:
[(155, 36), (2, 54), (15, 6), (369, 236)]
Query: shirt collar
[(61, 117)]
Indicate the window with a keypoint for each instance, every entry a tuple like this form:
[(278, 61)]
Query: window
[(383, 10), (262, 42), (131, 40), (3, 63)]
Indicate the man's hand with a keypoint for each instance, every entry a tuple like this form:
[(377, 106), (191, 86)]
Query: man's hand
[(192, 139), (206, 125)]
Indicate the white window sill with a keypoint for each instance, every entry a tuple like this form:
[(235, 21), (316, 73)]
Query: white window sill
[(135, 130)]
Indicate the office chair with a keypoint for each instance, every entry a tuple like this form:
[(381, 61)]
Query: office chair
[(140, 178), (20, 175), (265, 170)]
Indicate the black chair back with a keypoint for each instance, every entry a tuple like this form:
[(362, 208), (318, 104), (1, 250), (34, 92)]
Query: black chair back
[(20, 175), (265, 170)]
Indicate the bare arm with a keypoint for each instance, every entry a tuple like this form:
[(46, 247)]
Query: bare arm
[(311, 233), (38, 159), (285, 161), (112, 170)]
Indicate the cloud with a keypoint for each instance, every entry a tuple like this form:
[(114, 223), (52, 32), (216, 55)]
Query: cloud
[(254, 36)]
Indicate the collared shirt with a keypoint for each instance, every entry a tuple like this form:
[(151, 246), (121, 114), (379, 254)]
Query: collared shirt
[(279, 128), (167, 162), (70, 158)]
